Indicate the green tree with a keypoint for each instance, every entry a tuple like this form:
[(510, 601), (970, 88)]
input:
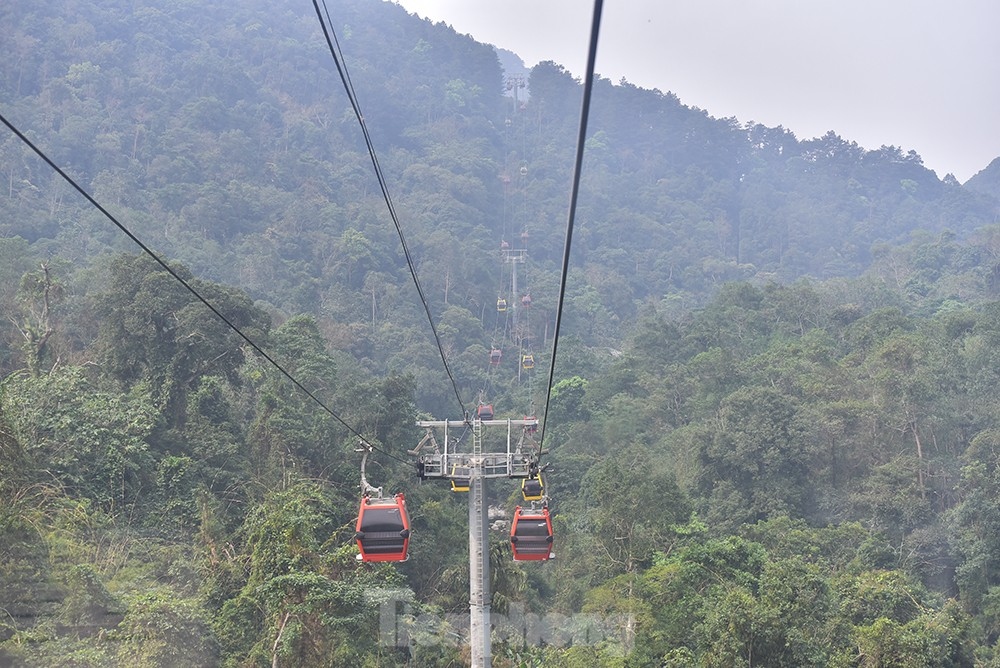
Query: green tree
[(303, 601), (15, 261), (39, 295), (161, 630), (93, 442), (153, 330), (753, 461), (977, 526), (634, 512)]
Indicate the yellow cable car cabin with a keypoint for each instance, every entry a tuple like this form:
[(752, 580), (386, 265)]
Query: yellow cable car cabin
[(533, 489), (501, 304), (528, 361), (531, 534), (383, 529), (461, 478)]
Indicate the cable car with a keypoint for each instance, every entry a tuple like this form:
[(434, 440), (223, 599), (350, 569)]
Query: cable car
[(526, 301), (501, 304), (531, 534), (383, 529), (532, 426), (461, 478), (528, 361), (533, 488), (485, 412), (495, 356)]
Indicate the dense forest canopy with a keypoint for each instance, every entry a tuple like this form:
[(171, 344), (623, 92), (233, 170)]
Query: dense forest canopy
[(772, 431)]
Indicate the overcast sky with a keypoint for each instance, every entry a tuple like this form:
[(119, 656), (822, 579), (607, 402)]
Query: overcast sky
[(918, 74)]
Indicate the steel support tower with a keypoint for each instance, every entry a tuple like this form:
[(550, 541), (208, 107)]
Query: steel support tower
[(478, 467)]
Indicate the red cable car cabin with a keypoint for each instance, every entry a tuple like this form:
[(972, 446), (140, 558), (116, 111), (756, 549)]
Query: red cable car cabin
[(532, 426), (531, 534), (383, 529)]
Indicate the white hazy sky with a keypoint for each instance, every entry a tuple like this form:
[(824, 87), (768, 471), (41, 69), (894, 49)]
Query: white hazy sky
[(918, 74)]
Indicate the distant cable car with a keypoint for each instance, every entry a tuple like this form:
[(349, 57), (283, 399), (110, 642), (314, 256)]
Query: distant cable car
[(383, 529), (533, 488), (495, 356), (526, 301), (501, 304), (531, 534), (461, 478), (485, 412), (532, 425), (528, 361)]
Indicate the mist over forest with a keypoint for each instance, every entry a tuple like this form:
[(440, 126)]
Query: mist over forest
[(771, 436)]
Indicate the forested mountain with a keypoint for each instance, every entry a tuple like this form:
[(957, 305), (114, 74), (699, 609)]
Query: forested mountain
[(772, 432), (987, 181)]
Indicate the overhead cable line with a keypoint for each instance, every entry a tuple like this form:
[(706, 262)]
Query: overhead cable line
[(588, 87), (346, 80), (146, 249)]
